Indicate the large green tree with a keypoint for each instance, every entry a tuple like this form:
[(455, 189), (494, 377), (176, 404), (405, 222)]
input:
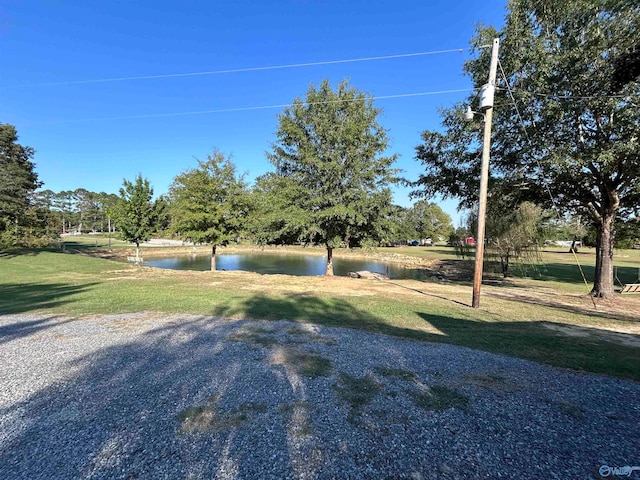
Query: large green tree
[(573, 68), (430, 221), (135, 213), (332, 169), (209, 204), (18, 181)]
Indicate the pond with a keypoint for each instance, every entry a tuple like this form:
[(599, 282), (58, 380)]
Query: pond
[(289, 264)]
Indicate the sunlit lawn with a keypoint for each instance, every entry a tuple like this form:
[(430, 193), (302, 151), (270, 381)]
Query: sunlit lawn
[(547, 317)]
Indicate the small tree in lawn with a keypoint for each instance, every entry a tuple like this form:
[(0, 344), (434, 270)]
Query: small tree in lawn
[(209, 204), (513, 234), (329, 151), (135, 214)]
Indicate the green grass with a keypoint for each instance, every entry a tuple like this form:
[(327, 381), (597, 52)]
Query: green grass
[(439, 398), (207, 417), (396, 372), (303, 363), (357, 392), (93, 241), (511, 320)]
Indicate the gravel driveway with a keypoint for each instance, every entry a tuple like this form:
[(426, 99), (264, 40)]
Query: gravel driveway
[(142, 396)]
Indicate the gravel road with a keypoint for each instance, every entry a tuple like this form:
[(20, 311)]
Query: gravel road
[(186, 397)]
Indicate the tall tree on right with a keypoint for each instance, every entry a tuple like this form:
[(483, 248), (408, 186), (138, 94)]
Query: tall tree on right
[(573, 68)]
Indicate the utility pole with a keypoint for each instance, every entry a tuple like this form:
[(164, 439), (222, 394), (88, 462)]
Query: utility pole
[(486, 105)]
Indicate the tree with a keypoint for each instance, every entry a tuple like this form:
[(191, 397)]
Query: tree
[(135, 214), (430, 220), (402, 225), (421, 221), (330, 166), (513, 233), (18, 181), (572, 68), (276, 218), (106, 203), (628, 233), (209, 204), (51, 220)]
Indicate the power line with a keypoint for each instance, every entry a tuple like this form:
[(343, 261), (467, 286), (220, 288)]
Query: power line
[(262, 107), (249, 69)]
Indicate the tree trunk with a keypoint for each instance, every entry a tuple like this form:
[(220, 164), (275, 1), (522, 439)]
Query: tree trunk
[(603, 281), (137, 252), (505, 265), (213, 258), (329, 261)]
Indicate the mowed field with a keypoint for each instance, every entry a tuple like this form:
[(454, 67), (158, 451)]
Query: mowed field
[(546, 316)]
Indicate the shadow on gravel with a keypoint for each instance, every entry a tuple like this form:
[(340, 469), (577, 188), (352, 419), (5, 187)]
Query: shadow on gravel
[(19, 329), (188, 400), (203, 398), (25, 297)]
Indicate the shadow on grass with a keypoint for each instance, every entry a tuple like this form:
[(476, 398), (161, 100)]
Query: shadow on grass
[(545, 342), (25, 297), (19, 252), (550, 302), (302, 308), (570, 273), (429, 294)]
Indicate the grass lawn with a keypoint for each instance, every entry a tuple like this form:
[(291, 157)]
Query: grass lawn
[(546, 317)]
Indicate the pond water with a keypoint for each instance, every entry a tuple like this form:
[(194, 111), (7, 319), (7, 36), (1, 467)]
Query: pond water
[(300, 265)]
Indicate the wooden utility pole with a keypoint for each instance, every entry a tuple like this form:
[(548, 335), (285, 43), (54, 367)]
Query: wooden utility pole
[(486, 104)]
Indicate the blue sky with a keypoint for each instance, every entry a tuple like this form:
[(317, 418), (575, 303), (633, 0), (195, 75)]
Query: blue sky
[(84, 135)]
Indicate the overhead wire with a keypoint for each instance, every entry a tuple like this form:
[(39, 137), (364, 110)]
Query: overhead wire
[(248, 69), (262, 107)]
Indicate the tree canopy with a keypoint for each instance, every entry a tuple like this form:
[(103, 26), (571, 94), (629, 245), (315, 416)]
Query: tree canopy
[(135, 213), (331, 183), (566, 122), (209, 204), (18, 181)]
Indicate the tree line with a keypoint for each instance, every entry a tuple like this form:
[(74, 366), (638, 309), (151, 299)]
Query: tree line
[(330, 186)]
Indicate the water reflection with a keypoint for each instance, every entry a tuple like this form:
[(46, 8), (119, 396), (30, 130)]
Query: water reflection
[(300, 265)]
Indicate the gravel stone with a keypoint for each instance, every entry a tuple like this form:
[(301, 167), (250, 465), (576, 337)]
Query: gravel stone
[(106, 398)]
